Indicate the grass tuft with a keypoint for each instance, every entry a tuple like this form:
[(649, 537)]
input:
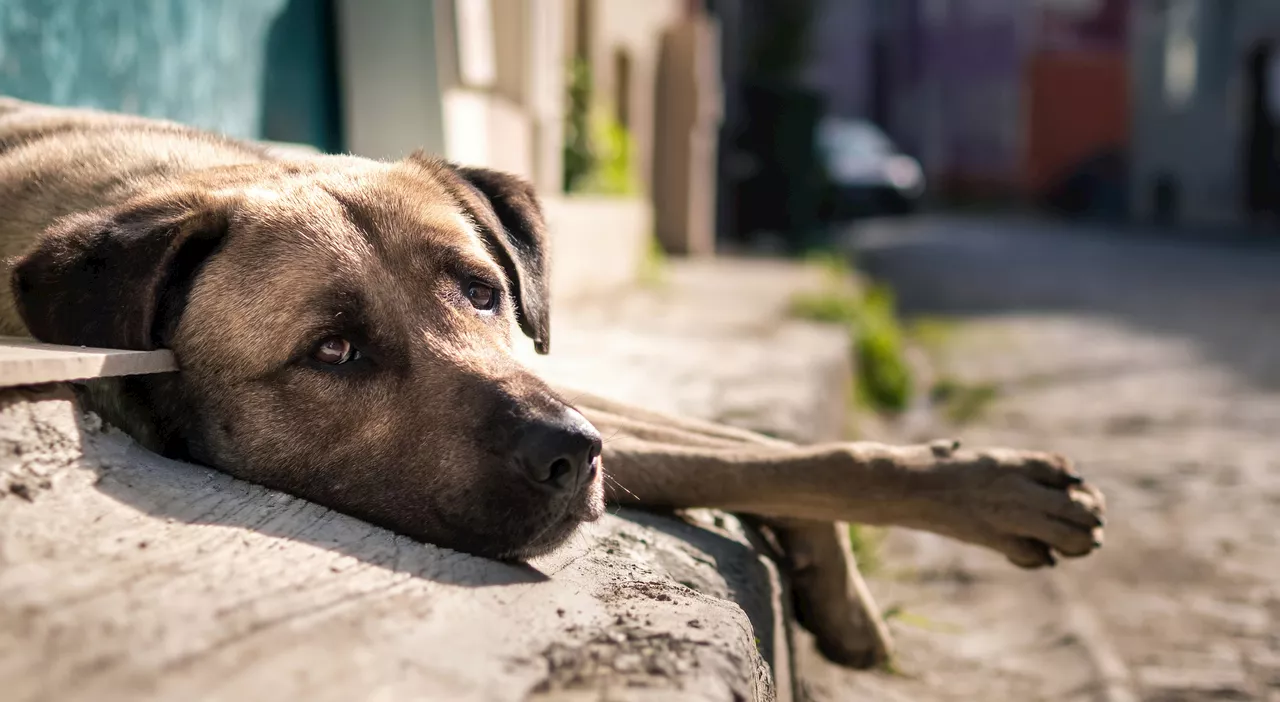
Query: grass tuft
[(963, 403), (653, 266), (884, 377), (864, 543)]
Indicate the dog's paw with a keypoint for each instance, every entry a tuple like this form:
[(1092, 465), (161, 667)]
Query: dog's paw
[(830, 597), (846, 627), (1028, 505)]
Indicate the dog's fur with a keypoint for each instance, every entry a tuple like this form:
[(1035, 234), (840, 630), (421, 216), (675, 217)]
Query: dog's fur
[(133, 233)]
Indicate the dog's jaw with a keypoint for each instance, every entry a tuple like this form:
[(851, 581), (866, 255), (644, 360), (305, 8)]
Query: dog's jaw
[(587, 507)]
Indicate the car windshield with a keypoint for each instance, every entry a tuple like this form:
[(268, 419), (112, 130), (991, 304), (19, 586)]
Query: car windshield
[(855, 138)]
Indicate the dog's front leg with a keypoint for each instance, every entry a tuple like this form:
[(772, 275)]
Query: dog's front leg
[(1027, 505), (829, 595)]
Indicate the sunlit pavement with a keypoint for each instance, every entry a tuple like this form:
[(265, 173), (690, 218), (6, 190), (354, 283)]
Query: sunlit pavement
[(1155, 365)]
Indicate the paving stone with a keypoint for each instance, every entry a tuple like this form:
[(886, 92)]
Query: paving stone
[(1193, 680)]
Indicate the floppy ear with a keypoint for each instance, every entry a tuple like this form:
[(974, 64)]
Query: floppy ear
[(519, 237), (117, 277)]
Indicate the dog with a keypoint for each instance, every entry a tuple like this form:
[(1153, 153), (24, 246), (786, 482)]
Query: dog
[(344, 331)]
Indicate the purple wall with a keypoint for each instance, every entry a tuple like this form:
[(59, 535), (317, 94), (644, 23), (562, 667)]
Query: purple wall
[(841, 58), (955, 76), (958, 88)]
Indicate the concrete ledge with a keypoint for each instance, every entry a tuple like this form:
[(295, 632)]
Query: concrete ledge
[(598, 245), (127, 576), (27, 362)]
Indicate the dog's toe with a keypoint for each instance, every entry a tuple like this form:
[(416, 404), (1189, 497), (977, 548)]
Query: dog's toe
[(846, 634), (834, 605), (1028, 553), (873, 654)]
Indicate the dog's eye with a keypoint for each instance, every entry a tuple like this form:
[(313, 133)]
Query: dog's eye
[(335, 351), (481, 296)]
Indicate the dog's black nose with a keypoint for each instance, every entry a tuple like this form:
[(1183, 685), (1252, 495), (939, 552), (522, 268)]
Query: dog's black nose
[(560, 453)]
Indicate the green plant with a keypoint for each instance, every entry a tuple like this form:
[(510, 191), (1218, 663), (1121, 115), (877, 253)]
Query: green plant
[(579, 159), (831, 307), (612, 171), (884, 377), (962, 402), (931, 333), (897, 612), (598, 151), (864, 543), (653, 267)]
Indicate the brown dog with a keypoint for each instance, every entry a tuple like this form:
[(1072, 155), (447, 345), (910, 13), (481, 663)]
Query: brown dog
[(344, 331)]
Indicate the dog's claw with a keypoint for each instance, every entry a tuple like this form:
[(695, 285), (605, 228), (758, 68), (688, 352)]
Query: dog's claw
[(1031, 506)]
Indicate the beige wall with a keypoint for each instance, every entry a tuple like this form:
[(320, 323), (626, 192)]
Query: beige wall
[(502, 76), (391, 92), (634, 26), (688, 118)]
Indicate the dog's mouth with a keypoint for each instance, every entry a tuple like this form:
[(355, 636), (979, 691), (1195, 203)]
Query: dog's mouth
[(587, 506)]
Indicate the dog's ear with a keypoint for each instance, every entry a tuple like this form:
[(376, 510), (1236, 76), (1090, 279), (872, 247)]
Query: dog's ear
[(118, 277), (517, 232)]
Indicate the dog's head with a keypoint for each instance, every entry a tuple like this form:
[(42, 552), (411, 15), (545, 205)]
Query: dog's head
[(344, 330)]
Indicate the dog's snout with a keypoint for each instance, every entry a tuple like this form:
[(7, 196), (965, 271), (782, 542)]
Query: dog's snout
[(561, 453)]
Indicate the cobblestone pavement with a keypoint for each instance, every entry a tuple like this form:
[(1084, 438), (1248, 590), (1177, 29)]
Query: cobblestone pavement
[(1156, 366)]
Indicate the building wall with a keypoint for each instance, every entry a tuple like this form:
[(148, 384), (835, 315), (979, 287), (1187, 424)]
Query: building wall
[(956, 102), (839, 65), (1076, 94), (1188, 113), (248, 68), (634, 29), (390, 55), (977, 89), (500, 66)]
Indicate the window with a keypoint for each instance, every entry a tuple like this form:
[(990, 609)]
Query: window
[(1181, 52)]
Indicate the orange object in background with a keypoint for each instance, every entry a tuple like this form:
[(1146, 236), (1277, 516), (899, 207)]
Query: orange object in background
[(1077, 107)]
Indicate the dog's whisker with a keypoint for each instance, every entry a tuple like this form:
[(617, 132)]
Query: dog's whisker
[(587, 542), (614, 481)]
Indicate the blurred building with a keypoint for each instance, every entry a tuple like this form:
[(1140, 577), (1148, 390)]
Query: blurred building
[(481, 82), (1003, 99), (1151, 110), (1206, 77), (1006, 100)]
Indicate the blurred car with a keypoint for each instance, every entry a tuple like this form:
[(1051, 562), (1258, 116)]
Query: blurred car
[(867, 174)]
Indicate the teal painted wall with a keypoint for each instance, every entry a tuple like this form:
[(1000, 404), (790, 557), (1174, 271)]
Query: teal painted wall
[(247, 68)]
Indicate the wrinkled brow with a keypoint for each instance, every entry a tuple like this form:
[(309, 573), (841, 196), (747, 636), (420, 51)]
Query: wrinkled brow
[(427, 240)]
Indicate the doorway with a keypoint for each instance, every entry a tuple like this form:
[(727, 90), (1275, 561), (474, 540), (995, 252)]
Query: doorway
[(301, 102), (1262, 132)]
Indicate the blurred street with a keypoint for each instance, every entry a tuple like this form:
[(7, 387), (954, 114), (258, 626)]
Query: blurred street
[(1155, 366), (702, 169)]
